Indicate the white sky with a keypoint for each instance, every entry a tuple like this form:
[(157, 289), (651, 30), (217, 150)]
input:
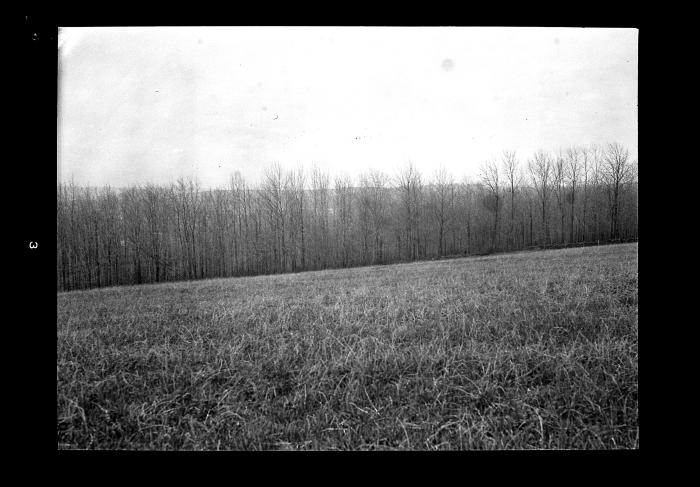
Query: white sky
[(150, 104)]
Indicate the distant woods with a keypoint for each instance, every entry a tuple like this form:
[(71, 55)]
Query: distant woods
[(294, 220)]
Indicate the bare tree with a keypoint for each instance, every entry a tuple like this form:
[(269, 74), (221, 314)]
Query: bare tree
[(540, 168), (559, 180), (300, 188), (320, 183), (344, 221), (585, 170), (572, 159), (490, 178), (466, 205), (510, 170), (364, 214), (272, 193), (409, 182), (597, 175), (617, 171), (442, 186), (239, 202)]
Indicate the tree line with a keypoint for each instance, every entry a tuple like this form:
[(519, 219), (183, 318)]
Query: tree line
[(294, 220)]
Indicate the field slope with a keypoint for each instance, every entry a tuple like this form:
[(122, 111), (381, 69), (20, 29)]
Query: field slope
[(525, 350)]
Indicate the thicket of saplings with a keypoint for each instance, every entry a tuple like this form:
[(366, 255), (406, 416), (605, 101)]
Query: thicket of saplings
[(295, 221), (508, 351)]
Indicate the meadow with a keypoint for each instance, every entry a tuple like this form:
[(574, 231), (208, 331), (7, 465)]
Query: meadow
[(530, 350)]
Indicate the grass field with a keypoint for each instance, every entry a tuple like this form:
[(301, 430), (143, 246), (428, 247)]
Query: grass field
[(514, 351)]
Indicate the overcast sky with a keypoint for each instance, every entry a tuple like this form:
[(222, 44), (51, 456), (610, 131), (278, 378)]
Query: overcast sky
[(141, 105)]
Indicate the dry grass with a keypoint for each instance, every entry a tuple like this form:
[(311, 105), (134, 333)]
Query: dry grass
[(518, 351)]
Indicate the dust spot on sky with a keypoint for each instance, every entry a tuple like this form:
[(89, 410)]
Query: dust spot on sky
[(556, 40), (448, 64)]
